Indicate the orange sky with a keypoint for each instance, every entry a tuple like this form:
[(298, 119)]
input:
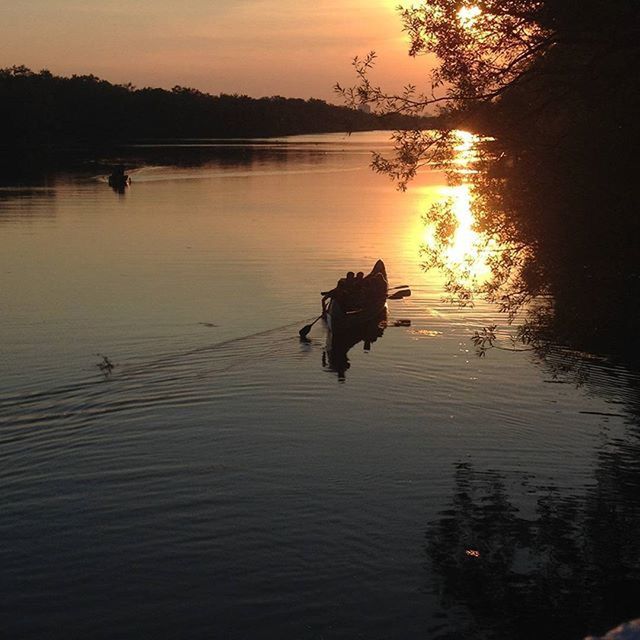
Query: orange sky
[(296, 48)]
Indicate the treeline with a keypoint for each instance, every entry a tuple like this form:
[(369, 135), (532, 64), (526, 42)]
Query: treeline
[(40, 109)]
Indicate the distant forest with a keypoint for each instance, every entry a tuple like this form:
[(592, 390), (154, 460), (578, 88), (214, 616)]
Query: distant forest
[(41, 109)]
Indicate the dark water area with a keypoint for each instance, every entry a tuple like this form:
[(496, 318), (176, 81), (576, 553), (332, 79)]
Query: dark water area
[(225, 480)]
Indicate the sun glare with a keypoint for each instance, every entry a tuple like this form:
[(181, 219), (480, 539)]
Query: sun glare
[(465, 151), (468, 16), (465, 252)]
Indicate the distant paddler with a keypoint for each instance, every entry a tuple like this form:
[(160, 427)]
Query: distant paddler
[(118, 180)]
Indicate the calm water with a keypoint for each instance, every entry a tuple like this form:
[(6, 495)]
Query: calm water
[(223, 483)]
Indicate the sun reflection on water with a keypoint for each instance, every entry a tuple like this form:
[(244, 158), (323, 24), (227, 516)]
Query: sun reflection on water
[(462, 249), (465, 152)]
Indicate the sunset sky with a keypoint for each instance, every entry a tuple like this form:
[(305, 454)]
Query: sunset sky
[(257, 47)]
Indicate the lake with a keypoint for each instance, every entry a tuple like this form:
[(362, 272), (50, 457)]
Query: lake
[(222, 481)]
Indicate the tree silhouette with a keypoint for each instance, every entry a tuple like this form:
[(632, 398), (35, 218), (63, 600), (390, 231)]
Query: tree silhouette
[(553, 82)]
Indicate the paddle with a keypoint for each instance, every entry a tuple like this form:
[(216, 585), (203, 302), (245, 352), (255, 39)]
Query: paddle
[(305, 330), (404, 293), (402, 286)]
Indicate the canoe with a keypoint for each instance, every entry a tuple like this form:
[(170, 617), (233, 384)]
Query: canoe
[(117, 181), (347, 314)]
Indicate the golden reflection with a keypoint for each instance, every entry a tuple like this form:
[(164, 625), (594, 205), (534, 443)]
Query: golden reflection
[(464, 147), (464, 251), (425, 332), (451, 240)]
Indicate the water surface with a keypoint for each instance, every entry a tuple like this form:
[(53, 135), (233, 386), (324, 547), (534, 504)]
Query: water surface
[(222, 482)]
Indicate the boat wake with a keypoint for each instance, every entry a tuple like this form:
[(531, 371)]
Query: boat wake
[(165, 382)]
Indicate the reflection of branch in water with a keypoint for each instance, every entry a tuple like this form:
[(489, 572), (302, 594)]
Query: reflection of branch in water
[(486, 338), (573, 569), (554, 246)]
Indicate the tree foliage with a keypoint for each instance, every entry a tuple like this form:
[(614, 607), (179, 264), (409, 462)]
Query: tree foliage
[(554, 82), (522, 69), (484, 48)]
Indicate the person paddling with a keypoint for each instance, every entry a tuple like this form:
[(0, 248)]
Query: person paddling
[(341, 291)]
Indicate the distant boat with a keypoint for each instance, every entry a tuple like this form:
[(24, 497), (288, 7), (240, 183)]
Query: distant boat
[(119, 180)]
